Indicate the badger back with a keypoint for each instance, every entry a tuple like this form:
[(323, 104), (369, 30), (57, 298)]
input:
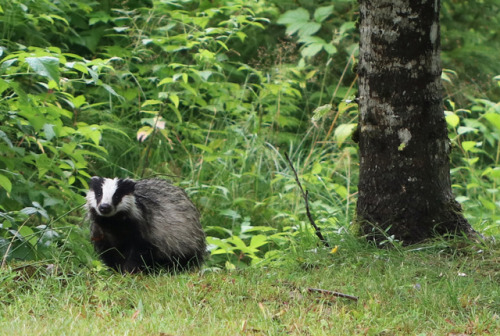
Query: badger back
[(173, 220)]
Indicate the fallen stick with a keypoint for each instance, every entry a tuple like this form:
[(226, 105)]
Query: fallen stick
[(329, 292), (305, 195)]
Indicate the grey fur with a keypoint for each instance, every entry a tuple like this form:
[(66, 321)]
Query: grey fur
[(161, 227)]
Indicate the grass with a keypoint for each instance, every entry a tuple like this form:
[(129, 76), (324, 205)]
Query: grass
[(434, 290)]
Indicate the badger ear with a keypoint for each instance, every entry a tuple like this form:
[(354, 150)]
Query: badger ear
[(126, 186), (95, 182)]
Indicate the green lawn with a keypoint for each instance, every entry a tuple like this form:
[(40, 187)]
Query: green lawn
[(431, 291)]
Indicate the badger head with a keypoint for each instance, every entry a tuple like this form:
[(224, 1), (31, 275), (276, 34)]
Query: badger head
[(107, 197)]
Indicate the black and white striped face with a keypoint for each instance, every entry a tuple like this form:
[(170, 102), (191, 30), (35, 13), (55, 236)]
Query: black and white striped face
[(110, 196)]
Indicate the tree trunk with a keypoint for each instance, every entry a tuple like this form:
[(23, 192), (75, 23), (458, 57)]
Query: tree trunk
[(404, 183)]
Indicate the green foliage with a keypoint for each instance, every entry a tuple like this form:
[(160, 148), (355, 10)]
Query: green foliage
[(298, 21), (45, 145), (470, 42), (210, 94), (475, 134), (45, 148)]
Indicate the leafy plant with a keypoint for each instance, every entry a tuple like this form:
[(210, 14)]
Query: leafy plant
[(298, 21), (44, 147), (475, 134), (209, 94)]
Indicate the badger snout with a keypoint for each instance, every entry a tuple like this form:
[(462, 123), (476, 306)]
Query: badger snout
[(105, 209)]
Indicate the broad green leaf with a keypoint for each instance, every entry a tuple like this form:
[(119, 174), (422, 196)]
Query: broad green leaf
[(205, 75), (468, 145), (297, 20), (48, 129), (292, 28), (321, 13), (78, 101), (166, 80), (341, 190), (494, 119), (27, 233), (463, 130), (249, 228), (487, 203), (311, 74), (3, 85), (177, 114), (239, 243), (45, 66), (229, 265), (230, 213), (321, 111), (452, 119), (111, 90), (347, 26), (294, 16), (492, 172), (144, 132), (309, 28), (92, 132), (258, 241), (40, 210), (5, 183), (316, 168), (241, 36), (445, 77), (224, 246), (308, 39), (471, 161), (223, 45), (77, 66), (311, 50), (343, 131), (5, 138), (60, 18), (204, 148), (330, 48), (151, 102), (210, 158), (174, 99), (495, 172)]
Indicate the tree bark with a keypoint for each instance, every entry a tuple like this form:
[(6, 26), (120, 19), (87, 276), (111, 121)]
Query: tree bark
[(404, 183)]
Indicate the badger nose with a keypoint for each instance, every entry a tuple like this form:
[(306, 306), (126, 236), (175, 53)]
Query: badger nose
[(105, 208)]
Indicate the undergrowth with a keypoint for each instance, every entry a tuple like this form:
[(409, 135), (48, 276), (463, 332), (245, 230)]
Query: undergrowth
[(209, 95)]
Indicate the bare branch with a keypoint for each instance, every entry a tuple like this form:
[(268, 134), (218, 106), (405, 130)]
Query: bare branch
[(305, 195), (329, 292)]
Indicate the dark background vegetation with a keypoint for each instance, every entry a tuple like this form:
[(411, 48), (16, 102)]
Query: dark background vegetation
[(210, 94)]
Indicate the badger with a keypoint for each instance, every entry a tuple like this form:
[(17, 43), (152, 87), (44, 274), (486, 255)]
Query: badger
[(144, 225)]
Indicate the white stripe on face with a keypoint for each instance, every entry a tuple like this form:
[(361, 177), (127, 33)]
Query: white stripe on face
[(128, 206), (108, 190), (91, 201)]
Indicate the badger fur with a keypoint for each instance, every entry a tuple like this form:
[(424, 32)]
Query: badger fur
[(144, 225)]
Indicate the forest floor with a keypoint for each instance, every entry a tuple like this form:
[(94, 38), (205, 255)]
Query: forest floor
[(431, 290)]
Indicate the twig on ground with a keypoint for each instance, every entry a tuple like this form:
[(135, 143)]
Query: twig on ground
[(305, 195), (329, 292)]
